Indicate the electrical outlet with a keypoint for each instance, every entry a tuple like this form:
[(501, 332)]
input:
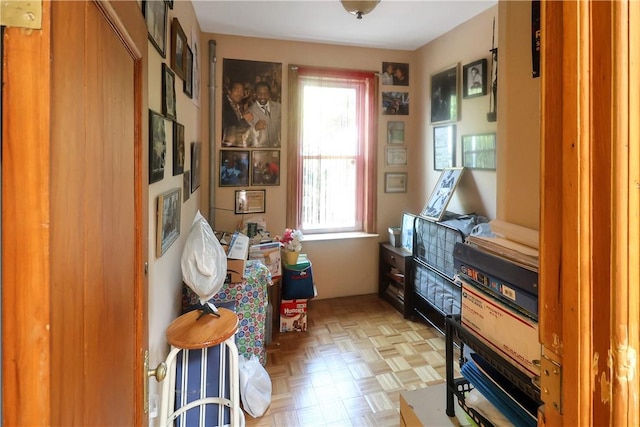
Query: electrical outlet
[(153, 406)]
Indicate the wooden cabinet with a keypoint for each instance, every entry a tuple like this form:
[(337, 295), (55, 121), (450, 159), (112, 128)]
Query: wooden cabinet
[(395, 277)]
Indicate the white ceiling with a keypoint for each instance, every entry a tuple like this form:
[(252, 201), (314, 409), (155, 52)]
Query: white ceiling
[(393, 24)]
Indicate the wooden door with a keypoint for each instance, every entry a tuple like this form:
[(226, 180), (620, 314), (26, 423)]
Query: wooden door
[(74, 217)]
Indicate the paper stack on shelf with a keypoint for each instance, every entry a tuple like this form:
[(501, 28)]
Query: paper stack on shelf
[(513, 242)]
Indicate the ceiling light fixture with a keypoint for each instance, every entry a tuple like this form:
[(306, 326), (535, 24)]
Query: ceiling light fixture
[(359, 8)]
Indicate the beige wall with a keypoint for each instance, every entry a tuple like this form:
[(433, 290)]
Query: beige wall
[(165, 274)]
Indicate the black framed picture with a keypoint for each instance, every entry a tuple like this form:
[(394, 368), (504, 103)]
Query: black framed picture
[(168, 92), (234, 168), (444, 146), (155, 15), (157, 146), (178, 148), (178, 49), (187, 84), (395, 103), (265, 167), (474, 79), (195, 166), (444, 95), (186, 186), (394, 73), (168, 230)]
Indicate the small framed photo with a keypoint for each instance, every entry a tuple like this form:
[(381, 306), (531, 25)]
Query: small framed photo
[(234, 168), (444, 147), (394, 73), (444, 95), (155, 15), (395, 103), (396, 156), (187, 84), (441, 194), (474, 79), (157, 146), (395, 132), (195, 166), (186, 186), (479, 151), (395, 182), (406, 231), (178, 49), (265, 166), (178, 148), (250, 201), (168, 230), (168, 92)]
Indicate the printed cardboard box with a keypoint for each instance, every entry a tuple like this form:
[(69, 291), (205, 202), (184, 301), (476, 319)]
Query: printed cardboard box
[(293, 315)]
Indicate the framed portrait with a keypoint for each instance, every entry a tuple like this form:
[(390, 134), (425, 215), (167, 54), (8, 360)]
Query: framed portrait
[(157, 146), (406, 231), (234, 168), (395, 103), (155, 15), (444, 95), (168, 92), (178, 49), (195, 166), (444, 147), (186, 186), (395, 182), (394, 73), (441, 194), (265, 166), (187, 84), (250, 201), (395, 132), (474, 79), (168, 230), (178, 148), (195, 73), (479, 151), (396, 156)]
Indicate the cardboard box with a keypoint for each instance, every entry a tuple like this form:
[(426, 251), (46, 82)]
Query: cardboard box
[(235, 270), (427, 407), (508, 332), (269, 255), (293, 315)]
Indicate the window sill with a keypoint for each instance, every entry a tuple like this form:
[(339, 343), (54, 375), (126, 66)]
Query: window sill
[(337, 236)]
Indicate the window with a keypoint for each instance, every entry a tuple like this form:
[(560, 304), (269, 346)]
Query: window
[(331, 184)]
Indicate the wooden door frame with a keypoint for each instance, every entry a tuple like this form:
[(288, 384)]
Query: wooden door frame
[(26, 275), (590, 209)]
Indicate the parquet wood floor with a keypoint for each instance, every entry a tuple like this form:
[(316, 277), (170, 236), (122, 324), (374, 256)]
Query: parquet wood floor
[(349, 367)]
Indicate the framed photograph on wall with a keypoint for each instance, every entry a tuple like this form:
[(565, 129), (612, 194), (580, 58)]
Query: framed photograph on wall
[(168, 230), (195, 166), (168, 92), (474, 79), (187, 84), (178, 49), (441, 194), (396, 156), (394, 73), (444, 95), (406, 231), (250, 201), (395, 132), (395, 103), (395, 182), (157, 146), (265, 167), (186, 186), (444, 147), (234, 168), (155, 15), (178, 148), (479, 151)]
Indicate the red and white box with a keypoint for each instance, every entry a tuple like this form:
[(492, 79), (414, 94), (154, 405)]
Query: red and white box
[(293, 315)]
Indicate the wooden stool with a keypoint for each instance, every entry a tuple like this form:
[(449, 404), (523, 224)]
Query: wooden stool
[(193, 331)]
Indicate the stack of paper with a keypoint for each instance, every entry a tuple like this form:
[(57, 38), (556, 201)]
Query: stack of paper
[(515, 243)]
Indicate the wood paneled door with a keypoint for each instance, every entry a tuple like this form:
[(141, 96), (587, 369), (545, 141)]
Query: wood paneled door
[(74, 232)]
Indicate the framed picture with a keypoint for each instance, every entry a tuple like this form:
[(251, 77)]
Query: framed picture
[(168, 92), (169, 206), (155, 15), (395, 132), (169, 3), (178, 148), (395, 182), (444, 147), (444, 95), (406, 231), (395, 103), (441, 194), (394, 73), (265, 166), (157, 146), (474, 79), (186, 186), (178, 49), (250, 201), (195, 166), (234, 168), (396, 156), (479, 151), (187, 84)]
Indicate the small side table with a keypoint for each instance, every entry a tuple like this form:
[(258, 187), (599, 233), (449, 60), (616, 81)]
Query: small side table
[(191, 332)]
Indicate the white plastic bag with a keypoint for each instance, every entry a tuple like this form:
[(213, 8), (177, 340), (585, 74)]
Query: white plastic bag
[(255, 386), (204, 263)]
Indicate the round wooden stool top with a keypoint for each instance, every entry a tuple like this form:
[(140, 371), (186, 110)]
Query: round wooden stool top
[(189, 332)]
